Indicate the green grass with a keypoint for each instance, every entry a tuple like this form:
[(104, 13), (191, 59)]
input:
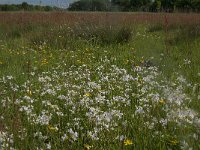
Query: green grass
[(99, 85)]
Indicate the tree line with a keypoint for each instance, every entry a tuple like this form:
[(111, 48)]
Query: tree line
[(136, 5), (115, 5), (26, 7)]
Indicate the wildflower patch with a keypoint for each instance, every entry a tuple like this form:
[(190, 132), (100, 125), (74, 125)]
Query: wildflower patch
[(70, 107)]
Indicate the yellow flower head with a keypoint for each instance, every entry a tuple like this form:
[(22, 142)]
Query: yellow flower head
[(161, 101), (1, 62), (126, 62), (87, 94), (128, 142), (44, 61), (51, 128), (174, 142), (87, 146), (29, 92)]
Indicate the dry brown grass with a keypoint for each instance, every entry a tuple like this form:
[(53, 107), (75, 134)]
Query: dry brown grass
[(99, 18)]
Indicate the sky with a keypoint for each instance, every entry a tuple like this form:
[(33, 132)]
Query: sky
[(59, 3)]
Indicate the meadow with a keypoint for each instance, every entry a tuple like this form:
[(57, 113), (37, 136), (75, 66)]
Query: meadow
[(102, 81)]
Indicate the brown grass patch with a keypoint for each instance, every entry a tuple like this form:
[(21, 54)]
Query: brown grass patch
[(97, 18)]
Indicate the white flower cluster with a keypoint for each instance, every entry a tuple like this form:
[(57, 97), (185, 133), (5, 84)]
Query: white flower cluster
[(82, 102)]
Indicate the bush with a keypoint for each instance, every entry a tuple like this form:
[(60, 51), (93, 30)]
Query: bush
[(104, 35)]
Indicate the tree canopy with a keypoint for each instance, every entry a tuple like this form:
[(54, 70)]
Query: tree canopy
[(90, 5), (115, 5), (136, 5), (26, 7)]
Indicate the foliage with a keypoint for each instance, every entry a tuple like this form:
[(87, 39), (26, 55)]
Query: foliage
[(90, 5), (26, 7), (136, 5), (115, 5)]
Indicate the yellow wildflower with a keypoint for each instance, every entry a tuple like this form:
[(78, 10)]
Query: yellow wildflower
[(29, 92), (174, 142), (51, 128), (87, 94), (128, 142), (126, 62), (87, 146), (161, 101), (1, 62), (44, 61)]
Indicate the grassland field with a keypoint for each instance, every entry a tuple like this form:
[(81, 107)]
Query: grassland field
[(102, 81)]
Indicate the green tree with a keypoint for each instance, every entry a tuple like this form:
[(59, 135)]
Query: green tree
[(156, 6), (143, 5), (196, 5), (184, 5), (89, 5), (5, 8), (25, 6), (123, 5), (168, 5)]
